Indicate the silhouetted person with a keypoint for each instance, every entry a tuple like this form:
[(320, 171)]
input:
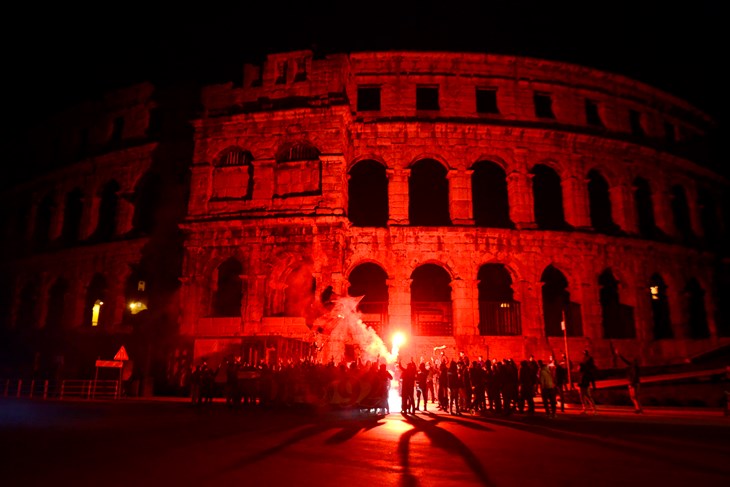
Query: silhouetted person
[(633, 374), (527, 388), (547, 390), (408, 385), (422, 387), (587, 371)]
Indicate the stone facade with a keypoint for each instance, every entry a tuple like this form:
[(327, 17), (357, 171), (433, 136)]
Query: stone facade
[(473, 201)]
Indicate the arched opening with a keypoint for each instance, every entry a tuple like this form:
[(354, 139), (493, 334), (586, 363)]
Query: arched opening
[(229, 289), (557, 306), (499, 313), (136, 292), (697, 314), (57, 305), (72, 217), (370, 281), (367, 190), (428, 193), (147, 203), (660, 308), (301, 287), (431, 310), (108, 208), (42, 229), (490, 200), (548, 198), (644, 208), (599, 200), (97, 310), (617, 319), (680, 214)]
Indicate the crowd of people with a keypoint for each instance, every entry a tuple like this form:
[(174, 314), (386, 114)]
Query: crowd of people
[(455, 385)]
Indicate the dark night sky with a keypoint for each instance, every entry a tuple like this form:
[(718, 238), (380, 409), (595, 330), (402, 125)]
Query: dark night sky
[(64, 52)]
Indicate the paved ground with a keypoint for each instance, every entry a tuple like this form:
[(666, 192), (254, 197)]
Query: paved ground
[(136, 442)]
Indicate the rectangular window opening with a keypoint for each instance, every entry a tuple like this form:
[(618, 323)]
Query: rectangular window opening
[(543, 105), (592, 115), (427, 98), (368, 98), (635, 122), (487, 100)]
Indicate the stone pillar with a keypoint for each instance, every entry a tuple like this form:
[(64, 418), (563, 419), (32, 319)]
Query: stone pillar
[(334, 177), (115, 300), (521, 203), (125, 214), (465, 307), (89, 216), (399, 305), (622, 209), (663, 212), (264, 179), (694, 212), (57, 217), (575, 202), (631, 211), (460, 194), (398, 196), (78, 288)]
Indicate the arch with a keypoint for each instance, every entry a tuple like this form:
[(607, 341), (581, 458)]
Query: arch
[(599, 200), (147, 198), (108, 211), (617, 319), (72, 212), (233, 156), (367, 189), (680, 213), (56, 305), (369, 280), (490, 199), (548, 198), (136, 290), (557, 306), (97, 310), (431, 308), (228, 294), (644, 206), (430, 157), (43, 218), (367, 157), (428, 194), (499, 313), (696, 312), (297, 151), (662, 328)]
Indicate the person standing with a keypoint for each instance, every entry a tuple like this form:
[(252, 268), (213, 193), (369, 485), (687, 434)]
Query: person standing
[(587, 369), (561, 381), (547, 390), (633, 374), (422, 387)]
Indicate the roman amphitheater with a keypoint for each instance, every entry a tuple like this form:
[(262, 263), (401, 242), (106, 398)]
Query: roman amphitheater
[(497, 205)]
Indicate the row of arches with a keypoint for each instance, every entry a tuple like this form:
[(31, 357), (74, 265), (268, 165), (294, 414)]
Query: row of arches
[(72, 214), (499, 312), (59, 303), (428, 204)]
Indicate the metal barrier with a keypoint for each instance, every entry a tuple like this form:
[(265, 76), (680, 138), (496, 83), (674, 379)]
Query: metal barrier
[(90, 389), (20, 388), (83, 389)]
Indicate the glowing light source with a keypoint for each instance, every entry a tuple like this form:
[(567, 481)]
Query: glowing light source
[(504, 305), (398, 340), (137, 306), (654, 292), (95, 312)]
